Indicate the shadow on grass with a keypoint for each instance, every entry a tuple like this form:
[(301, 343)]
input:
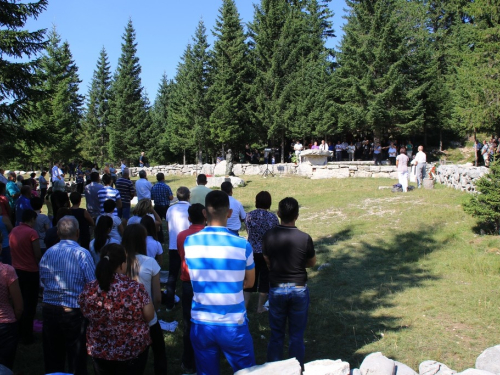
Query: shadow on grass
[(362, 277)]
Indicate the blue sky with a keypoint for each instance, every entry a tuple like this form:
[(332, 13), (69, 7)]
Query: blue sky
[(163, 29)]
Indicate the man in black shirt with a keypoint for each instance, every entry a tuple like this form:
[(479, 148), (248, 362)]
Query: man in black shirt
[(288, 252)]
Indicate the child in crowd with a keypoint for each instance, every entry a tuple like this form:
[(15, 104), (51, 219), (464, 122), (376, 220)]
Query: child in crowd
[(154, 249), (42, 223), (117, 231)]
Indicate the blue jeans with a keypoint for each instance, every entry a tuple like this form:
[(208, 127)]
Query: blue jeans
[(287, 303), (234, 341), (124, 212)]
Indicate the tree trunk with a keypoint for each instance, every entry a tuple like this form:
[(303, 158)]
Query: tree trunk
[(282, 148), (475, 145), (184, 157), (441, 140)]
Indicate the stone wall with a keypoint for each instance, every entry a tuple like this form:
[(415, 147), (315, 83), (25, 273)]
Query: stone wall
[(460, 177)]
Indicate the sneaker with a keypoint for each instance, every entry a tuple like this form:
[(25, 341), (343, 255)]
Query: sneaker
[(187, 371)]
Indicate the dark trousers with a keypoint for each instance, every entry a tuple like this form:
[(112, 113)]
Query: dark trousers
[(29, 284), (162, 213), (338, 155), (64, 338), (9, 337), (43, 193), (79, 188), (158, 348), (174, 265), (134, 366), (187, 299)]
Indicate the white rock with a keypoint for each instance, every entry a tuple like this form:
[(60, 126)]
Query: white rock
[(326, 367), (289, 367), (402, 369), (489, 360), (355, 371), (220, 169), (377, 364), (473, 371), (216, 182), (433, 368)]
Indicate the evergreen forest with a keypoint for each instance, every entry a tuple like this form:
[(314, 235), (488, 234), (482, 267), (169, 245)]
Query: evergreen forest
[(426, 70)]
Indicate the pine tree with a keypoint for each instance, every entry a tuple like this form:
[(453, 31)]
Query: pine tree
[(158, 140), (190, 110), (56, 119), (377, 81), (94, 137), (228, 94), (128, 118)]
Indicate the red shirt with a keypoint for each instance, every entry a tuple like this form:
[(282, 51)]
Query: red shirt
[(181, 237), (21, 248)]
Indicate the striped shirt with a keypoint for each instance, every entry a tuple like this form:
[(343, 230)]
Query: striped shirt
[(107, 192), (126, 189), (64, 270), (217, 261), (161, 193)]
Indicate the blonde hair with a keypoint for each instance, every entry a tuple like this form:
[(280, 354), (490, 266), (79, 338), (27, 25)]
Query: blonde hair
[(143, 207)]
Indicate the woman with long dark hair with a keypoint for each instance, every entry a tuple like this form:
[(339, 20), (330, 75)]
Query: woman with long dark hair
[(146, 270), (118, 310), (153, 247), (101, 237)]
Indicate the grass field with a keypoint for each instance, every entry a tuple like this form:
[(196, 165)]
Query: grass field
[(406, 275)]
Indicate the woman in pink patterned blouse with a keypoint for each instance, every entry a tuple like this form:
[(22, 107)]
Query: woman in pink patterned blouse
[(118, 310)]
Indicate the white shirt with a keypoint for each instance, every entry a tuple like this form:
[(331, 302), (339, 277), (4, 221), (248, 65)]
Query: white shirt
[(421, 158), (153, 247), (114, 234), (148, 267), (143, 189), (56, 173), (323, 147), (177, 218), (234, 222), (297, 147)]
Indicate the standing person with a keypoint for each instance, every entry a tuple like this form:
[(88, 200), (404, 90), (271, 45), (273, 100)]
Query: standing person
[(258, 222), (13, 192), (23, 203), (177, 218), (288, 252), (118, 310), (153, 247), (11, 309), (323, 146), (102, 237), (315, 146), (71, 170), (200, 191), (42, 224), (43, 185), (409, 149), (127, 192), (338, 151), (79, 180), (402, 164), (25, 252), (71, 265), (298, 149), (237, 211), (112, 173), (421, 162), (377, 153), (2, 177), (57, 174), (197, 220), (161, 194), (91, 197), (143, 186), (219, 261), (108, 192), (118, 225), (85, 221), (146, 271), (392, 154), (143, 160), (5, 229), (351, 149), (4, 201), (485, 152), (248, 153), (123, 166)]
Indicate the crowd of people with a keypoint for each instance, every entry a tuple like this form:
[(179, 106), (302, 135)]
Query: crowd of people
[(487, 151), (97, 270)]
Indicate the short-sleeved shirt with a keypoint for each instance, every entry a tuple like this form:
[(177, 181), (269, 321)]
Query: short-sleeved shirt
[(143, 189), (392, 152), (115, 234), (153, 247), (217, 260), (92, 199), (177, 217), (56, 173), (11, 190), (148, 268), (402, 160), (117, 330), (21, 248), (96, 254), (258, 222), (64, 270), (234, 222), (107, 192), (22, 204), (126, 189), (42, 221), (288, 250), (160, 194), (198, 194), (194, 228), (7, 277), (43, 182), (421, 158)]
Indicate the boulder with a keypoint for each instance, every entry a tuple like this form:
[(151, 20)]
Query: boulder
[(215, 182), (434, 368), (326, 367), (489, 360), (377, 364), (362, 174), (473, 371), (289, 367), (220, 169), (355, 371), (402, 369)]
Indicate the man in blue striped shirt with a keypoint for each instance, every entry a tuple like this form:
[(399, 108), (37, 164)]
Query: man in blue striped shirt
[(64, 270), (220, 266), (108, 192)]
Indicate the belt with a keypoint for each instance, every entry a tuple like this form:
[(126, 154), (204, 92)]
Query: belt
[(285, 285)]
